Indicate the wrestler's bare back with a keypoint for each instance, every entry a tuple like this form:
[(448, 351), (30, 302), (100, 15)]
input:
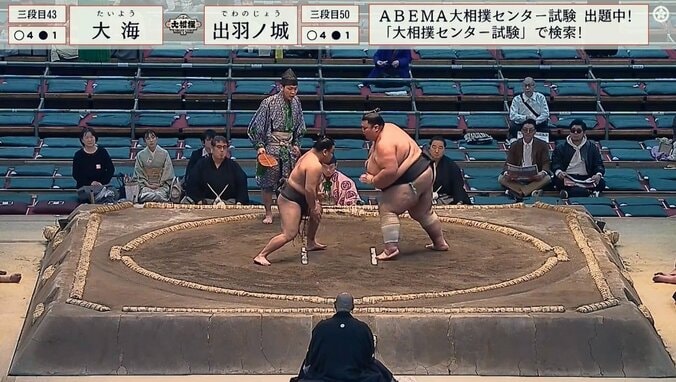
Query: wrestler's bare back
[(393, 138), (307, 165)]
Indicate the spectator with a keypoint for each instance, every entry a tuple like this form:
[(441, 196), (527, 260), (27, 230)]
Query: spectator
[(391, 63), (216, 176), (154, 171), (342, 349), (337, 188), (577, 164), (528, 105), (201, 152), (449, 184), (92, 165), (525, 152)]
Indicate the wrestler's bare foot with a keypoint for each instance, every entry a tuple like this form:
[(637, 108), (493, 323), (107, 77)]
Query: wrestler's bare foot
[(433, 247), (261, 260), (388, 255), (13, 278), (315, 246), (268, 219)]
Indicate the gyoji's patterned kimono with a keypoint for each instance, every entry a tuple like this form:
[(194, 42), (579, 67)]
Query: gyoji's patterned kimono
[(276, 126), (342, 190), (154, 169)]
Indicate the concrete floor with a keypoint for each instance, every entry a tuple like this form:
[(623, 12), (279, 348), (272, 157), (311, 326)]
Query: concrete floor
[(646, 246)]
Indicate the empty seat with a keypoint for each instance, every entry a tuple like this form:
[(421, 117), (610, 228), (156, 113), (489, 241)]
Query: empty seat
[(205, 87), (19, 85), (350, 143), (601, 210), (486, 122), (167, 53), (14, 203), (439, 120), (487, 155), (637, 201), (61, 142), (350, 154), (619, 144), (30, 183), (212, 120), (118, 152), (343, 120), (560, 54), (657, 173), (574, 89), (349, 53), (660, 184), (110, 120), (631, 155), (64, 182), (61, 119), (242, 119), (33, 170), (108, 86), (564, 121), (17, 152), (156, 119), (629, 122), (57, 152), (18, 141), (20, 119), (480, 88), (653, 211), (520, 54), (342, 88), (108, 142), (474, 54), (55, 203), (437, 54), (211, 53), (162, 86), (259, 87), (446, 88), (661, 88), (57, 85)]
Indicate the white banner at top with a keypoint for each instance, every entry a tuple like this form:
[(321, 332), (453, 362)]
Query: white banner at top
[(484, 24)]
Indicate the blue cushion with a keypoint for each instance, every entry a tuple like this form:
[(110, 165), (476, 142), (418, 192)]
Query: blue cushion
[(307, 87), (162, 86), (195, 143), (18, 141), (103, 86), (19, 85), (249, 169), (343, 120), (342, 88), (661, 88), (574, 88), (62, 142), (352, 171), (437, 54), (56, 196), (350, 143), (216, 120), (238, 143), (260, 87), (64, 170), (487, 155), (637, 201), (663, 184), (586, 201), (623, 184), (57, 152), (480, 89), (657, 173), (520, 54), (385, 87), (251, 184), (61, 119), (205, 87), (629, 121), (439, 88), (115, 142), (486, 122), (484, 184), (17, 152), (16, 119), (565, 120), (455, 155), (474, 54), (33, 170), (482, 172), (64, 183), (601, 210), (251, 53), (631, 155), (242, 119), (665, 121), (110, 119), (622, 88), (167, 53), (30, 183), (159, 120), (399, 119), (243, 153), (439, 120), (620, 144), (66, 86), (552, 54), (351, 154), (348, 53), (671, 202), (212, 53), (648, 53), (644, 211), (118, 152), (15, 197), (309, 119)]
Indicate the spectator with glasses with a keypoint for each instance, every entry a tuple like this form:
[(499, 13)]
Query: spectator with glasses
[(528, 105), (577, 164), (217, 178)]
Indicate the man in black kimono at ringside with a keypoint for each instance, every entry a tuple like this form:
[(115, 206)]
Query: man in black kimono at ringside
[(217, 176), (342, 350), (449, 184)]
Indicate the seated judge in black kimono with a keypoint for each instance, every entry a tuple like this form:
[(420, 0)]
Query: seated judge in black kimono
[(201, 152), (342, 349), (449, 184), (216, 176)]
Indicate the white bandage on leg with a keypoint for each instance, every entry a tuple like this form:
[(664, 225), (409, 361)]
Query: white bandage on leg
[(389, 224), (429, 219)]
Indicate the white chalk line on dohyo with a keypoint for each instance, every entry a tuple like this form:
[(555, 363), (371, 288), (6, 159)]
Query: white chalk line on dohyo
[(357, 310), (115, 254)]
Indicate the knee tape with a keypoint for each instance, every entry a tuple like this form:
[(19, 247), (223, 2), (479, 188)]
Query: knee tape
[(429, 219), (389, 224)]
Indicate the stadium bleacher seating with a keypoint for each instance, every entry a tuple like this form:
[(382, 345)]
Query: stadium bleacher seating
[(627, 101)]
